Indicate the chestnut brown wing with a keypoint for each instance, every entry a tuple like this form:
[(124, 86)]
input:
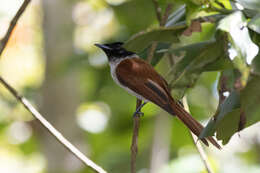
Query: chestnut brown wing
[(140, 77)]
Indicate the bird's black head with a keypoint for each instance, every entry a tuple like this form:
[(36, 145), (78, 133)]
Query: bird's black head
[(114, 50)]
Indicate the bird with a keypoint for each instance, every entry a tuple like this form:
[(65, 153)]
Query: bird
[(140, 79)]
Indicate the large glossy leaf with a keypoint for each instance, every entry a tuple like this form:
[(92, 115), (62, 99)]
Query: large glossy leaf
[(140, 41)]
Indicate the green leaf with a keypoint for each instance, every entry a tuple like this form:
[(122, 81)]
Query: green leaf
[(196, 58), (250, 100), (192, 61), (228, 126), (231, 102), (234, 24), (254, 23), (250, 4), (225, 3), (230, 106), (222, 63), (209, 130), (157, 56), (143, 39)]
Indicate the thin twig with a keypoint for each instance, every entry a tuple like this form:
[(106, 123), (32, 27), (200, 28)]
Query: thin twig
[(198, 145), (162, 22), (12, 25), (151, 52), (166, 14), (134, 146), (158, 11), (51, 129)]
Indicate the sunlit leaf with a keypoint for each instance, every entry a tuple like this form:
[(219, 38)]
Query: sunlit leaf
[(234, 24), (225, 3), (250, 4)]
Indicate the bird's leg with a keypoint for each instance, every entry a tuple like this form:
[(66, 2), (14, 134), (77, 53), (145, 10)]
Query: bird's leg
[(138, 110)]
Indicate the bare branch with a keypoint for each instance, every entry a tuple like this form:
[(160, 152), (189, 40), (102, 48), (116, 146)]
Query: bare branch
[(198, 145), (51, 129), (12, 25), (134, 146)]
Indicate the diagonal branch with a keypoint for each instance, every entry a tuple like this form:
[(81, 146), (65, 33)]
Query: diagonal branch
[(51, 129), (13, 22)]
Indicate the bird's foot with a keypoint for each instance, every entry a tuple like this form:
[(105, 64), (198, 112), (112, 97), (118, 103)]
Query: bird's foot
[(138, 114)]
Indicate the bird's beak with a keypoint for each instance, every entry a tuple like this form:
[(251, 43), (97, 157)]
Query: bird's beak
[(103, 47)]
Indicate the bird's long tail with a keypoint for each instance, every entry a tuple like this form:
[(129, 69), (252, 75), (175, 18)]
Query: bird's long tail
[(190, 122)]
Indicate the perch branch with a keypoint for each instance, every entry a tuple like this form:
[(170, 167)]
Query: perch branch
[(51, 129), (134, 145), (12, 25), (198, 145)]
